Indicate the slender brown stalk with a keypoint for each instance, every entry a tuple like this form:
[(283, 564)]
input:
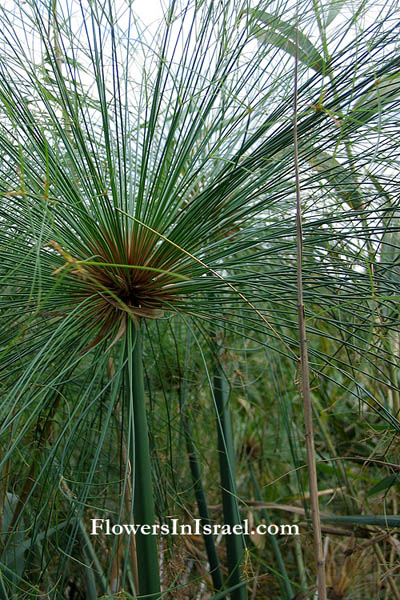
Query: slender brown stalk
[(305, 375), (389, 579)]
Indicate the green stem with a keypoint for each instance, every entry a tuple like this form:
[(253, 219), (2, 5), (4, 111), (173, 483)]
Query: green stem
[(234, 543), (195, 470), (91, 561), (284, 582), (146, 545), (202, 506), (230, 590)]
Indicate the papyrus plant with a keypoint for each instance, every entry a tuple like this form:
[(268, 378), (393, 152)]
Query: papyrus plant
[(147, 173)]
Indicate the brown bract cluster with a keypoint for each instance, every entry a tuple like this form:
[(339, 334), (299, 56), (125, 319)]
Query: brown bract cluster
[(121, 278)]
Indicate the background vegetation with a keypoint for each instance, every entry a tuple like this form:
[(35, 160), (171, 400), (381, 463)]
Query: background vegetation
[(149, 331)]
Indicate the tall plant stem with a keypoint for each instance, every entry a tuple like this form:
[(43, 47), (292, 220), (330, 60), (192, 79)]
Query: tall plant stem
[(143, 509), (198, 487), (234, 543), (128, 496), (283, 580), (305, 374), (202, 506)]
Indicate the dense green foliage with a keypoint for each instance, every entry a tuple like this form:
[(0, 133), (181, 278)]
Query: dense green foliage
[(148, 198)]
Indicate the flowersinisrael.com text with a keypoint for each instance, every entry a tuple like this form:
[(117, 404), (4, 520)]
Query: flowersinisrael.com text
[(104, 527)]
